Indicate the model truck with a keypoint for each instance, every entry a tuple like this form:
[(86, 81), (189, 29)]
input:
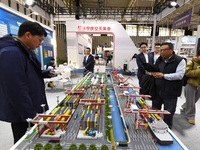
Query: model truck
[(89, 132)]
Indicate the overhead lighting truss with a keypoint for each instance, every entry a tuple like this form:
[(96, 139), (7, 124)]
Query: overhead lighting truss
[(104, 11)]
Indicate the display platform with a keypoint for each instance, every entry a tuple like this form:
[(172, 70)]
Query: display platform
[(93, 112)]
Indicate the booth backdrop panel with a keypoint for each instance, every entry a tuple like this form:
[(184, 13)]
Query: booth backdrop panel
[(123, 46)]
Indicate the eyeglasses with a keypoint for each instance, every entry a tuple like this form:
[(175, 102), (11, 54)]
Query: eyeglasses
[(41, 40), (143, 47), (163, 50)]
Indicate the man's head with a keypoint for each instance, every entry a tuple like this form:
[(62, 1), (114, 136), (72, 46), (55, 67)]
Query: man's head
[(143, 47), (32, 34), (166, 50), (52, 60), (108, 53), (87, 51), (157, 48)]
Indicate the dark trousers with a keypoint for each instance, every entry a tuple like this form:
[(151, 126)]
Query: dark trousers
[(19, 129), (140, 84), (169, 105)]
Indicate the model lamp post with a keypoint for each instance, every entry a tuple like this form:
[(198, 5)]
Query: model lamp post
[(110, 117), (43, 106), (57, 99), (29, 120), (62, 143)]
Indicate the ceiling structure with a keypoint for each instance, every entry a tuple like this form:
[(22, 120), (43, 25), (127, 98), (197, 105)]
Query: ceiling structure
[(124, 11)]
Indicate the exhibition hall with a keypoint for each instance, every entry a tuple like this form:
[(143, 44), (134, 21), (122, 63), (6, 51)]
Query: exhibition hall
[(99, 74)]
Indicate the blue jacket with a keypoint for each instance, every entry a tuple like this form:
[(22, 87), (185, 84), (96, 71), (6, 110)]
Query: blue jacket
[(22, 89), (140, 59), (89, 64)]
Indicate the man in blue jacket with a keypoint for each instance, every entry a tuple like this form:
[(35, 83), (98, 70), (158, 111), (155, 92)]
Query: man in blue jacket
[(143, 57), (88, 62), (22, 89)]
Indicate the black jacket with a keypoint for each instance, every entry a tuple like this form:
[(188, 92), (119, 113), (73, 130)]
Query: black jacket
[(169, 88), (148, 86), (140, 59), (22, 88), (89, 64)]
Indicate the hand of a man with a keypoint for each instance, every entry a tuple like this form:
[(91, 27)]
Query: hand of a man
[(52, 73), (157, 74), (146, 72), (84, 68)]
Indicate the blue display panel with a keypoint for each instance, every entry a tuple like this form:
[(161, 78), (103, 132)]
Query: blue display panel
[(9, 23), (47, 47)]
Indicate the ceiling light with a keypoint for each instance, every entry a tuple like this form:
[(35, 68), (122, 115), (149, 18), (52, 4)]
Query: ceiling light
[(173, 3), (29, 2)]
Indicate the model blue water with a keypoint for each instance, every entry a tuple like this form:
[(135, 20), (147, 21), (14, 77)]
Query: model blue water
[(174, 146), (118, 125)]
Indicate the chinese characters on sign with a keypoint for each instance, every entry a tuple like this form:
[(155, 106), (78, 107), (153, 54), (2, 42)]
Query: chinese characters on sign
[(182, 20), (94, 28)]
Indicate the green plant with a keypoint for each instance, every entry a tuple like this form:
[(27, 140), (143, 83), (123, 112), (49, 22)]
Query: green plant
[(82, 147), (47, 146), (57, 146), (107, 132), (92, 147), (61, 61), (73, 147), (104, 147), (38, 146)]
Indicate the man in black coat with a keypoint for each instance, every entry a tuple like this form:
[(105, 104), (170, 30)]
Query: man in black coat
[(51, 63), (88, 62), (143, 57), (22, 89), (168, 80)]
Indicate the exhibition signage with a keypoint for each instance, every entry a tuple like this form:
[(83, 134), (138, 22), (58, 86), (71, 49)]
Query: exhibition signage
[(182, 20), (94, 28)]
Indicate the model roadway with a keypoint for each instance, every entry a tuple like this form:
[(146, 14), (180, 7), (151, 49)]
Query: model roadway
[(137, 141)]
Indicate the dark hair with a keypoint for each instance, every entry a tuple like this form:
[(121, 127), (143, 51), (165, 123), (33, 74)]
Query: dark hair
[(157, 44), (143, 43), (33, 27), (88, 48), (171, 46), (52, 59)]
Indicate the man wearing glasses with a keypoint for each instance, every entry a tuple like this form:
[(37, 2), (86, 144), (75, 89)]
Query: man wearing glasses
[(22, 89), (168, 80), (143, 57)]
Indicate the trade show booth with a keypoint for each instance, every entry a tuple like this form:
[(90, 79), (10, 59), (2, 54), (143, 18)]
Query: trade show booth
[(123, 46)]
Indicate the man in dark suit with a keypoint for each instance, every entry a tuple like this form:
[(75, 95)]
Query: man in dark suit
[(22, 89), (143, 57), (88, 62), (156, 52)]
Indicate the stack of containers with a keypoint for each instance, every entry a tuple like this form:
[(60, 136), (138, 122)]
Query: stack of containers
[(90, 118), (71, 100)]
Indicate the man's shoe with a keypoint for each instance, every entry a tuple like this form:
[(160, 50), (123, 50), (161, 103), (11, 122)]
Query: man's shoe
[(191, 122)]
